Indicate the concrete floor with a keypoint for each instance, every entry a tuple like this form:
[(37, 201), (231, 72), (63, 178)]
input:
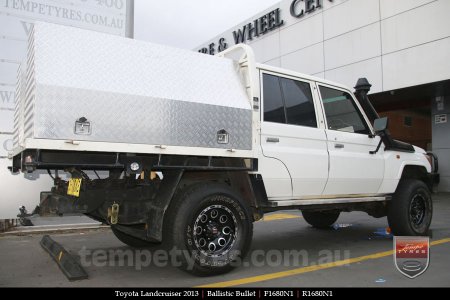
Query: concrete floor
[(24, 263)]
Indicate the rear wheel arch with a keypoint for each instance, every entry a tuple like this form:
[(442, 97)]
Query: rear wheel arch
[(239, 181)]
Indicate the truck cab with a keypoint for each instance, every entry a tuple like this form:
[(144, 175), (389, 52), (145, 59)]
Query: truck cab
[(320, 151), (317, 142)]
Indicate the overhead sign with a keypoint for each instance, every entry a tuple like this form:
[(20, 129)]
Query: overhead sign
[(263, 25), (299, 8)]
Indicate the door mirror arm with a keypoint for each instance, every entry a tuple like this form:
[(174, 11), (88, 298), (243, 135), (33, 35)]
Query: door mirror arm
[(378, 147), (380, 126)]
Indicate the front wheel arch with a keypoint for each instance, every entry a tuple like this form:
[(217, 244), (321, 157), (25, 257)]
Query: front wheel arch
[(417, 172)]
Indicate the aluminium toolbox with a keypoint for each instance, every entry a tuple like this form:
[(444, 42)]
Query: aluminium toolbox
[(88, 86)]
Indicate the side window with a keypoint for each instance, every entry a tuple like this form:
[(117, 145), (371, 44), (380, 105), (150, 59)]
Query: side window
[(341, 111), (299, 102), (288, 101), (273, 101)]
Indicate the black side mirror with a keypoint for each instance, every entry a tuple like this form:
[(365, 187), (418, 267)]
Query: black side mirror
[(380, 125)]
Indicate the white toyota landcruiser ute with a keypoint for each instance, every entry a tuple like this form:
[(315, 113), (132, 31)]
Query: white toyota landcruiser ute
[(194, 148)]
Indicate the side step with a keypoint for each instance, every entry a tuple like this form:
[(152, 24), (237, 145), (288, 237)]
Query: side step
[(66, 262), (327, 201)]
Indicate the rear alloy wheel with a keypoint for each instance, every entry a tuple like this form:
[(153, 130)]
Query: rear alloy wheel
[(411, 209), (320, 219), (215, 230), (212, 227)]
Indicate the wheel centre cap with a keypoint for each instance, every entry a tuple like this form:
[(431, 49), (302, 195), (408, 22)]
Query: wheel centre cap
[(213, 229)]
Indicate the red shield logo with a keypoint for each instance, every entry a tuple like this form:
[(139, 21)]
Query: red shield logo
[(412, 254)]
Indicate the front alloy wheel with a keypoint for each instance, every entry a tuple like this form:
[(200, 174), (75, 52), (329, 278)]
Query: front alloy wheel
[(417, 210)]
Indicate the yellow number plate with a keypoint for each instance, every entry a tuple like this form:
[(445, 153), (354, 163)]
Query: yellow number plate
[(74, 187)]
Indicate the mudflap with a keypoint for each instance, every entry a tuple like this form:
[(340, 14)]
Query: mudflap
[(136, 205)]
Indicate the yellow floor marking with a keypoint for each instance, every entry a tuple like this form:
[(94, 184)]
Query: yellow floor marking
[(308, 269), (274, 217)]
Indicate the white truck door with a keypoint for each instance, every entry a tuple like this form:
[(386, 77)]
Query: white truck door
[(353, 170), (294, 148)]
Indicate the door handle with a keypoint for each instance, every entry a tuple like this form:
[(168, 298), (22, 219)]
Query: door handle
[(273, 140), (338, 146)]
